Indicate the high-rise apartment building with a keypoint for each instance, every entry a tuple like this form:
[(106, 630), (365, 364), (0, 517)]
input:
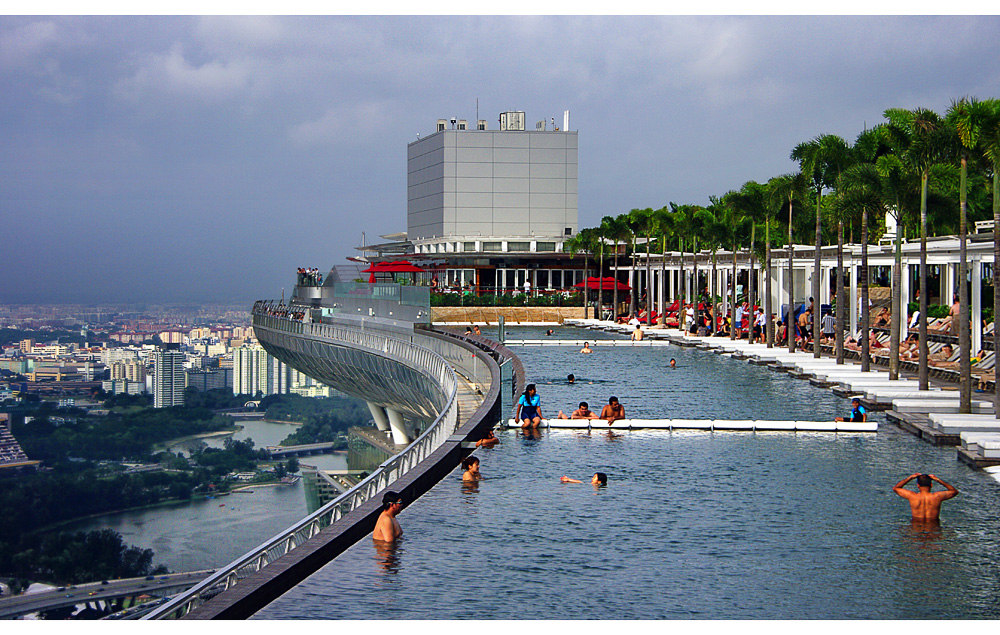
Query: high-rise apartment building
[(168, 378), (132, 370), (254, 370)]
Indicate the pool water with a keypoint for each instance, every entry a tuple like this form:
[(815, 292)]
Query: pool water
[(724, 525)]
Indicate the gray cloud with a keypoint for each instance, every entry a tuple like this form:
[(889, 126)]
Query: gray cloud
[(202, 158)]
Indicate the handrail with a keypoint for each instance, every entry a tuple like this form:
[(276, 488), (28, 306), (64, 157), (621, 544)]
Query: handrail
[(388, 472)]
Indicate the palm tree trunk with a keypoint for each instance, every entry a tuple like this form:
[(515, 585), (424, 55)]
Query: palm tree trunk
[(751, 286), (614, 311), (680, 275), (649, 283), (695, 291), (923, 371), (633, 282), (866, 357), (996, 275), (816, 275), (586, 270), (600, 284), (715, 293), (790, 320), (661, 296), (897, 275), (841, 313), (964, 354), (769, 323), (732, 293)]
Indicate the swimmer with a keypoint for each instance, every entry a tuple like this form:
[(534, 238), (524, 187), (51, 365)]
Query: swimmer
[(387, 528), (925, 504), (488, 441), (475, 329), (613, 411), (529, 410), (673, 363), (586, 348), (468, 330), (858, 412), (637, 334), (549, 332), (471, 467), (571, 378), (599, 479), (583, 412)]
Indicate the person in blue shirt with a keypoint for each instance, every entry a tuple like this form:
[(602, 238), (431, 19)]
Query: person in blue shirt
[(858, 412), (529, 409)]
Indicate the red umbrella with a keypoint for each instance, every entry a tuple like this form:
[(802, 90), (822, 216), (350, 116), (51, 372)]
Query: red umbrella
[(606, 284), (392, 266)]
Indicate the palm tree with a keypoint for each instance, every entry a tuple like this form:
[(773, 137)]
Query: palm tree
[(663, 225), (641, 222), (788, 187), (714, 238), (751, 201), (821, 160), (925, 136), (585, 241), (969, 117), (615, 229), (736, 225)]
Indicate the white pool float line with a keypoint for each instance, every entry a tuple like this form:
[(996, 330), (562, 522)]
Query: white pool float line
[(745, 425)]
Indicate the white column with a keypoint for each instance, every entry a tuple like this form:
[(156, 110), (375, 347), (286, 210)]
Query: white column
[(904, 300), (378, 413), (947, 283), (976, 300), (824, 288), (399, 435), (854, 297), (780, 286)]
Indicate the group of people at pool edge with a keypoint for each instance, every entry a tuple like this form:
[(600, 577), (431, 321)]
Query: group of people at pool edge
[(529, 409)]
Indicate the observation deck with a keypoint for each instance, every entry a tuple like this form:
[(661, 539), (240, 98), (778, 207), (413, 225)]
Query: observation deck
[(431, 393)]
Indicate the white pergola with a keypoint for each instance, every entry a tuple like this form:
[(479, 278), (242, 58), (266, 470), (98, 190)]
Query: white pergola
[(941, 251)]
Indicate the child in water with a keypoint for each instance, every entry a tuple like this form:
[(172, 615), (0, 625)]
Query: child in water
[(599, 479), (471, 467)]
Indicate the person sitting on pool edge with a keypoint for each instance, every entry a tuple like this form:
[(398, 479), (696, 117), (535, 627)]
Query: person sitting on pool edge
[(637, 333), (583, 412), (600, 479), (858, 412), (613, 411), (387, 528), (925, 505), (471, 466), (586, 348), (529, 409)]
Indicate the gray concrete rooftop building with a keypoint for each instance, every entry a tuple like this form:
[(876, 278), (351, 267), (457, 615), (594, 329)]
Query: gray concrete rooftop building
[(483, 185)]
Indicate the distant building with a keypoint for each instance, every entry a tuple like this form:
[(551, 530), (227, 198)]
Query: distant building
[(254, 370), (205, 379), (133, 370), (168, 378)]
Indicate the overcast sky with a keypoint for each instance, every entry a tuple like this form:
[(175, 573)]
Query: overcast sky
[(196, 159)]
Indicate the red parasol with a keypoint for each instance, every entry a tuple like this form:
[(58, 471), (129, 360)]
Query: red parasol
[(606, 284), (392, 266)]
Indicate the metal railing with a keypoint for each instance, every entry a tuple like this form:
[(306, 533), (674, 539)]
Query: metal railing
[(387, 473)]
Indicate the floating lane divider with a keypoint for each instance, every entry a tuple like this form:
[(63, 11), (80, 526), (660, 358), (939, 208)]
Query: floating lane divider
[(580, 343), (706, 424)]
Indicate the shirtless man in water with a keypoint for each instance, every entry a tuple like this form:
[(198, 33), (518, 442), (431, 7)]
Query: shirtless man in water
[(387, 528), (924, 504), (613, 411)]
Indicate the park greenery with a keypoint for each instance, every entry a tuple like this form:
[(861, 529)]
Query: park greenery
[(932, 173), (97, 464)]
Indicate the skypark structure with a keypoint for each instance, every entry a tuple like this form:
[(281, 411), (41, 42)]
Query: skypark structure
[(432, 394)]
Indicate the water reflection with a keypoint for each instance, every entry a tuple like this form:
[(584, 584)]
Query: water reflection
[(470, 487), (387, 555)]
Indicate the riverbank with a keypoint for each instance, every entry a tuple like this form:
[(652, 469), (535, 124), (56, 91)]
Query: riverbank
[(170, 443)]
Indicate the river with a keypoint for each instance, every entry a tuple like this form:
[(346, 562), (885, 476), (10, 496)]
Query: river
[(213, 532)]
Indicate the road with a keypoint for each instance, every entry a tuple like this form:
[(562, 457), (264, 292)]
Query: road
[(18, 605)]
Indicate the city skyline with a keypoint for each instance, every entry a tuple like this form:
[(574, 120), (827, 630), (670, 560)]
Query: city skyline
[(197, 159)]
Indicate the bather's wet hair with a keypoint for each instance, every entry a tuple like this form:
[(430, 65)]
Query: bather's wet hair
[(571, 378), (583, 404), (469, 462), (390, 498), (612, 399), (924, 480), (602, 478)]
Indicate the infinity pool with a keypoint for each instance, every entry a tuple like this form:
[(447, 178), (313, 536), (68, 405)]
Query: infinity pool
[(692, 524)]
